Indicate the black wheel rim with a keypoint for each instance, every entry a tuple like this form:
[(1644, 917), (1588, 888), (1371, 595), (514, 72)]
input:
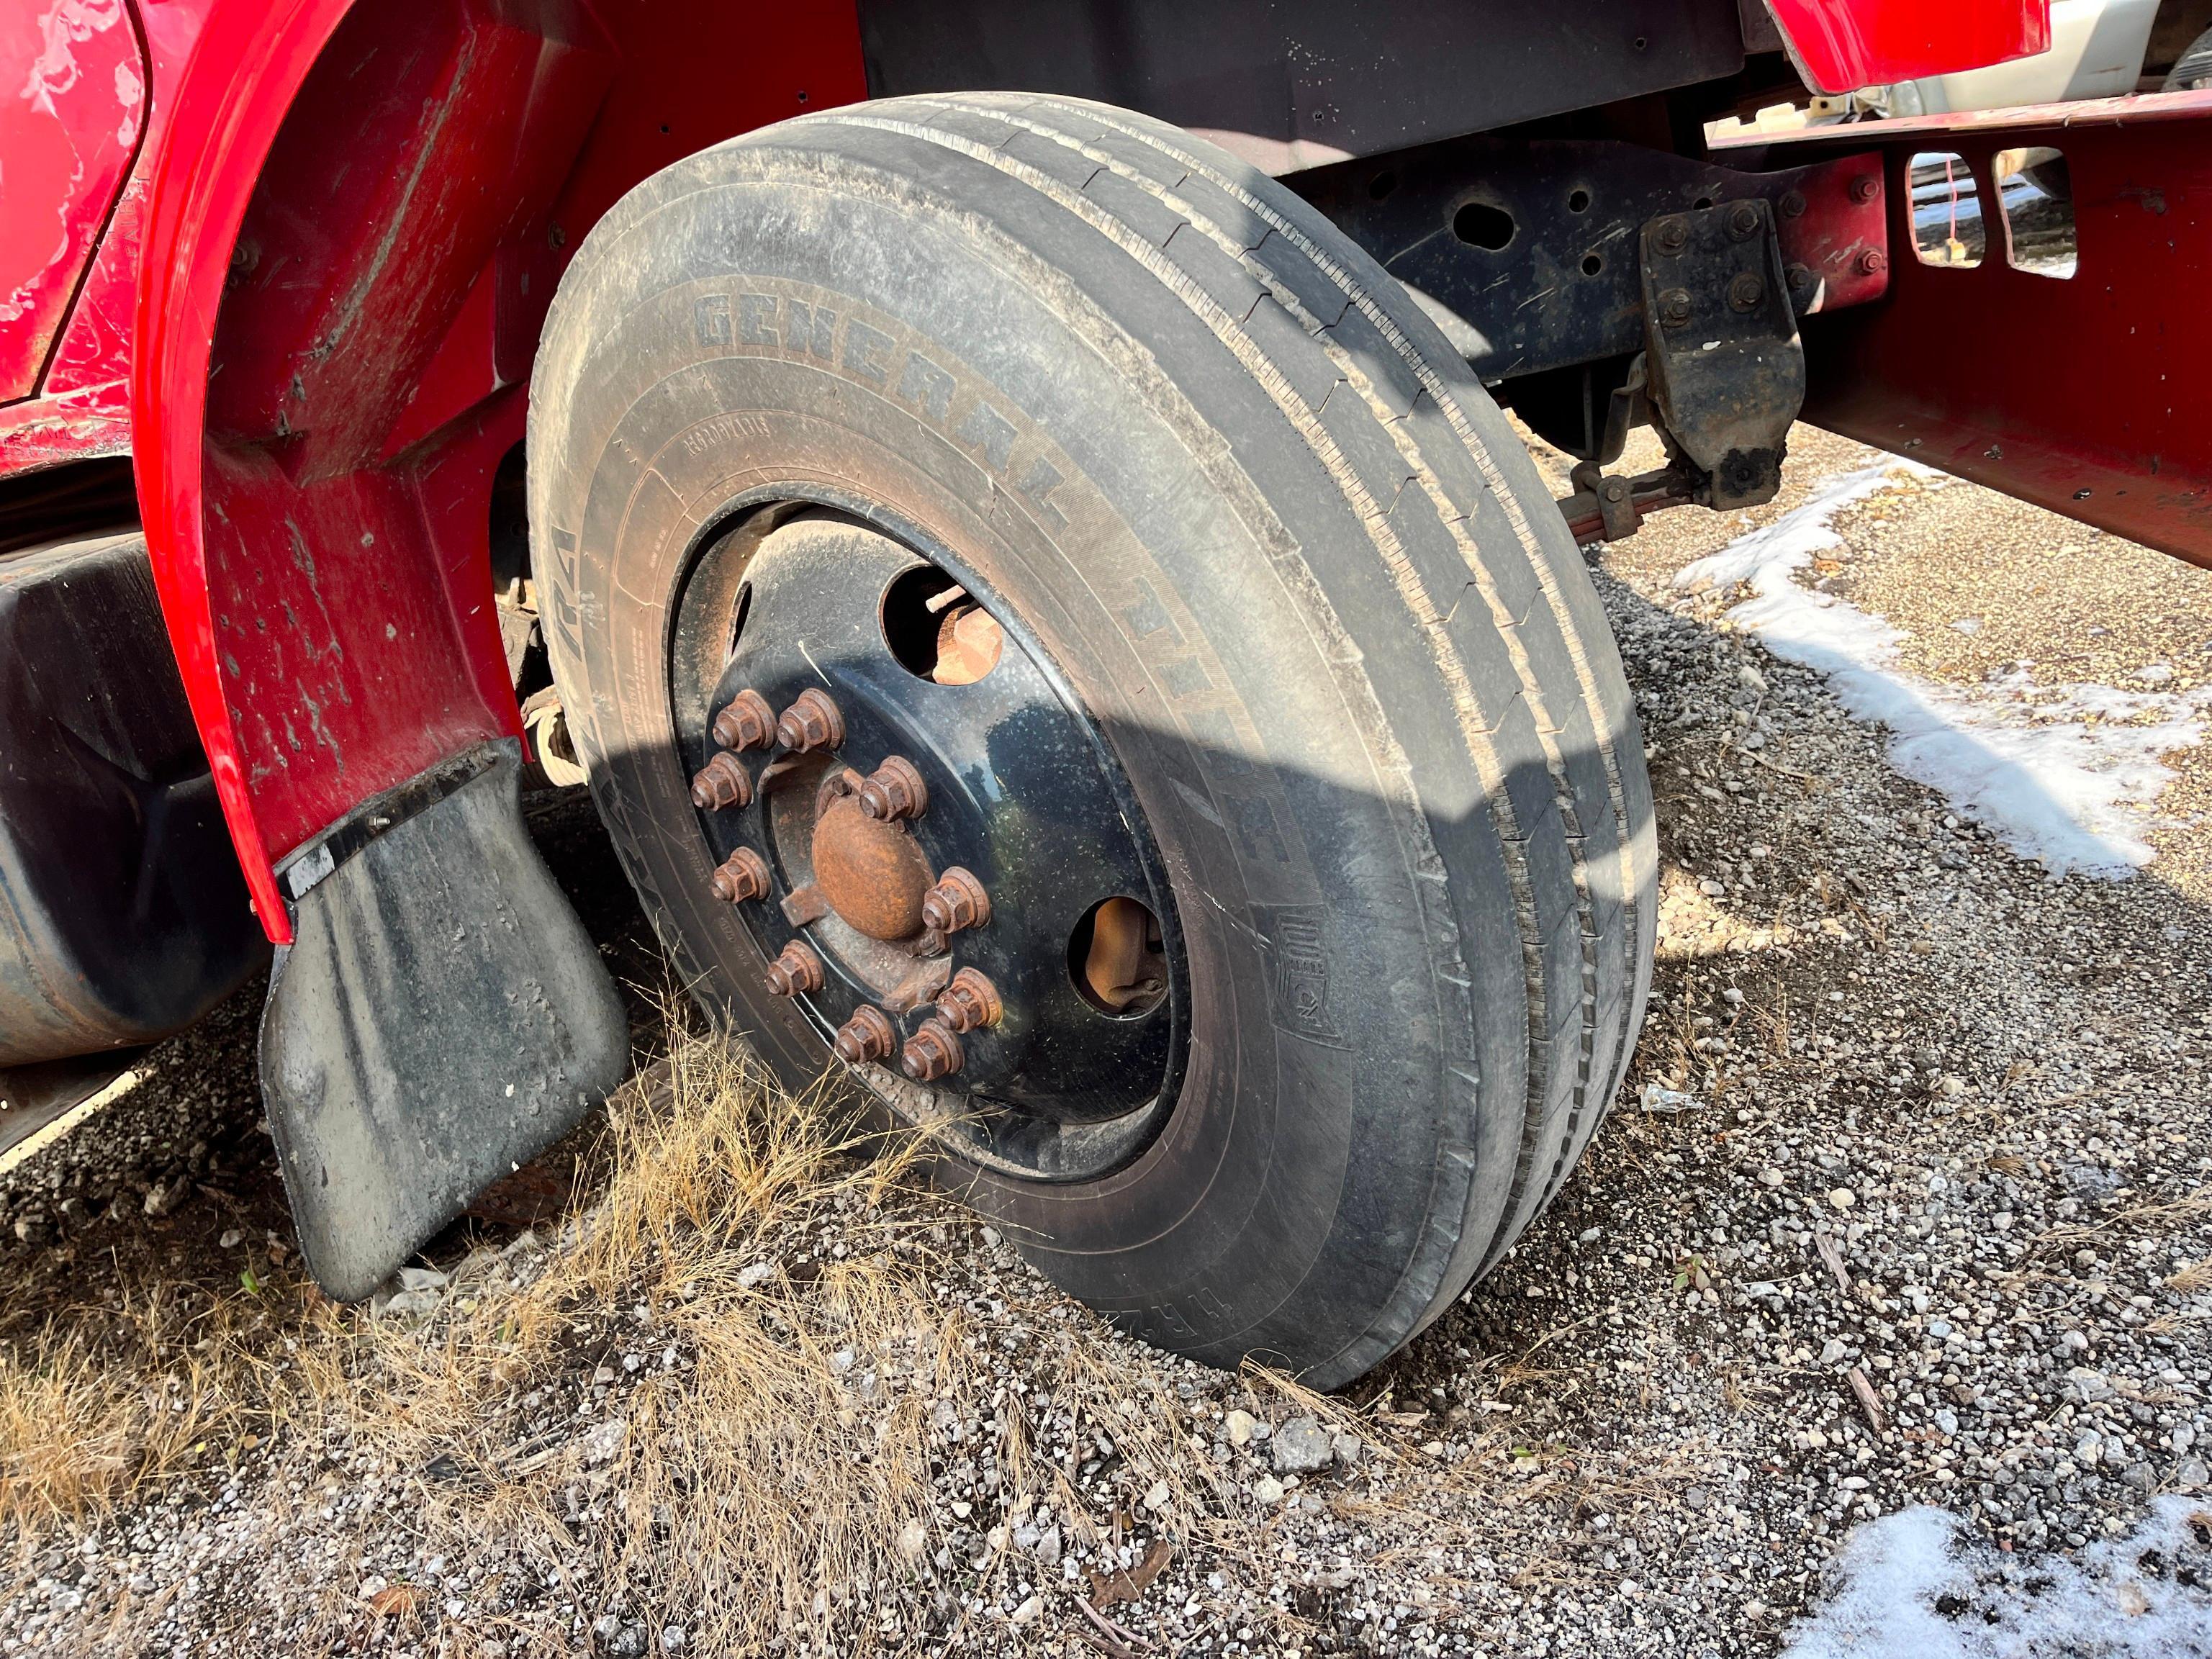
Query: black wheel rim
[(1073, 1072)]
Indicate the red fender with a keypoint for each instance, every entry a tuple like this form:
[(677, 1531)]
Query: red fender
[(357, 218)]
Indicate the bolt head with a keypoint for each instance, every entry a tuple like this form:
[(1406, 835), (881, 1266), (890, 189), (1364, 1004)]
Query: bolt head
[(1744, 220), (970, 1001), (957, 900), (893, 791), (1746, 290), (811, 722), (1863, 188), (1671, 235), (741, 877), (721, 783), (797, 970), (867, 1037), (931, 1052), (747, 723), (1793, 204), (1872, 260), (1674, 306)]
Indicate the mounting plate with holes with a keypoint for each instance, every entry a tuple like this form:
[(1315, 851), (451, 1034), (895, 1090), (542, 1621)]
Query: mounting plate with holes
[(926, 843)]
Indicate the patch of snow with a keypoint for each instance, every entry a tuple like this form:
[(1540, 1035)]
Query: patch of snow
[(2062, 774), (1913, 1585)]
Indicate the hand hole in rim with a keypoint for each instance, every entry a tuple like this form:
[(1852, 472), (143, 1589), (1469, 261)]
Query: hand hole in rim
[(1116, 959), (936, 631)]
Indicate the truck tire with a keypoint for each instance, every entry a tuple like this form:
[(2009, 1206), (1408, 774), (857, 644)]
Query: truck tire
[(1300, 700)]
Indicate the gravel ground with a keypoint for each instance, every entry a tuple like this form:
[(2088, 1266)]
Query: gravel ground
[(1904, 1204)]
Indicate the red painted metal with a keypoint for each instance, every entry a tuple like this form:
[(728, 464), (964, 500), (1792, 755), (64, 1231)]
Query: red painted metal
[(359, 216), (72, 112), (1840, 46), (2085, 395)]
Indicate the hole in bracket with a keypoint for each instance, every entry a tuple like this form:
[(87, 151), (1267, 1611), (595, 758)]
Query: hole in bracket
[(1480, 225), (1947, 211), (2036, 193)]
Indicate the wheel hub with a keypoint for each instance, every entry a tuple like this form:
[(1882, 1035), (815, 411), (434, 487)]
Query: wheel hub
[(931, 852)]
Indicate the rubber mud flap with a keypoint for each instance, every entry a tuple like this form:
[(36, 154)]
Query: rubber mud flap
[(440, 1017)]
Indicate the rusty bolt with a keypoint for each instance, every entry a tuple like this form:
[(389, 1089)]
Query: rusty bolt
[(747, 723), (797, 970), (894, 791), (1863, 187), (957, 900), (970, 1001), (740, 877), (811, 722), (1799, 275), (721, 782), (868, 1036), (1674, 306), (1873, 259), (1746, 290), (1793, 204), (1743, 219), (931, 1052), (1670, 235)]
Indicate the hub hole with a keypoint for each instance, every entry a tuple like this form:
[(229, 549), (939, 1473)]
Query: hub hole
[(1480, 225), (1115, 958), (1592, 265), (936, 631), (1578, 201)]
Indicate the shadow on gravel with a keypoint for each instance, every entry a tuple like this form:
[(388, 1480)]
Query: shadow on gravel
[(1901, 1202)]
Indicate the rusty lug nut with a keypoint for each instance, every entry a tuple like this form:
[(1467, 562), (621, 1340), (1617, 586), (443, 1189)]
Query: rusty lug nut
[(747, 723), (1744, 220), (868, 1036), (797, 970), (1670, 235), (740, 877), (721, 782), (1863, 187), (1872, 260), (957, 900), (1746, 290), (894, 791), (931, 1052), (811, 722), (970, 1001), (1674, 306)]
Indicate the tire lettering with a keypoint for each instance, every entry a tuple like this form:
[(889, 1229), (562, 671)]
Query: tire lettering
[(755, 312), (1254, 821), (1298, 952), (1148, 616), (1184, 677), (865, 350), (990, 432), (1036, 484), (810, 328), (923, 384), (711, 317)]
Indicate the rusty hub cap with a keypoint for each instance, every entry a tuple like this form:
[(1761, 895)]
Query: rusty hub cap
[(874, 875), (939, 859)]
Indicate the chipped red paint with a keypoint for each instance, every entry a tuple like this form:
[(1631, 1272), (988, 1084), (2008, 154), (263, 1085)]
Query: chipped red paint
[(358, 218), (1840, 45), (72, 112)]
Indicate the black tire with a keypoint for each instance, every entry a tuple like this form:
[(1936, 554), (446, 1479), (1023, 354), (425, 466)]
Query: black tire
[(1292, 561), (2192, 70)]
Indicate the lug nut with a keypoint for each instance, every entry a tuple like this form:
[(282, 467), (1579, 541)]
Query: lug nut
[(740, 877), (721, 782), (797, 970), (868, 1036), (957, 900), (811, 722), (931, 1052), (1743, 219), (747, 723), (894, 791), (970, 1001)]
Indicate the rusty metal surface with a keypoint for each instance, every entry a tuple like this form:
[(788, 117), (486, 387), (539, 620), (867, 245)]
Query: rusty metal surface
[(970, 1002), (893, 791), (813, 721), (956, 902), (741, 878), (867, 1037), (747, 723), (933, 1052), (796, 970), (873, 873), (968, 642), (723, 782)]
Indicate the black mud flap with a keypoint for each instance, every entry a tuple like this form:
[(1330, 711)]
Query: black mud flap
[(440, 1019)]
